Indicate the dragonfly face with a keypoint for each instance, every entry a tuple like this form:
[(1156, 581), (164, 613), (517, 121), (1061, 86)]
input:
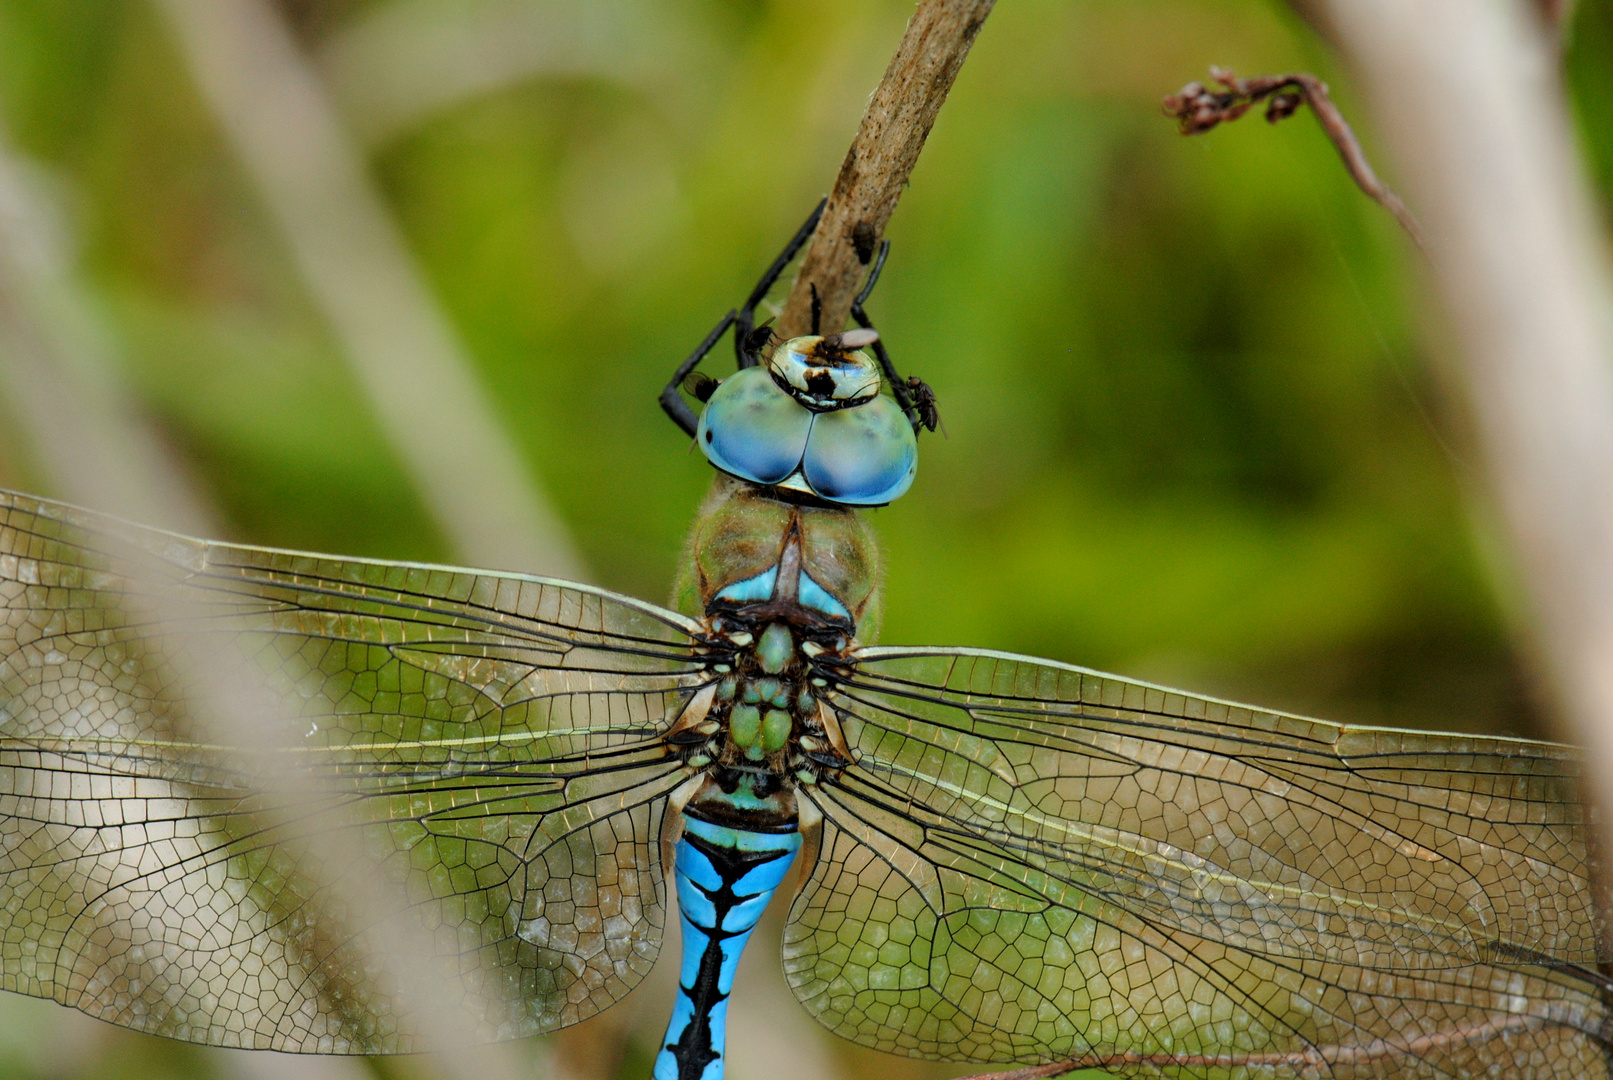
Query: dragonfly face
[(827, 373), (421, 792), (812, 420)]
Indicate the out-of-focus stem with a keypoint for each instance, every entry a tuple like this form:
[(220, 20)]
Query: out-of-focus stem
[(399, 63), (86, 438), (1469, 98), (58, 370), (274, 110)]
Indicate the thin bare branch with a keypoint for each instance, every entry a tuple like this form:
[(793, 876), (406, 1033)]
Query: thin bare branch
[(1197, 109), (887, 145)]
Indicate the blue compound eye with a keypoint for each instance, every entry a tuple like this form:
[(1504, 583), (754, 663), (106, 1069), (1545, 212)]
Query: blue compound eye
[(865, 456), (753, 429), (828, 432), (826, 373)]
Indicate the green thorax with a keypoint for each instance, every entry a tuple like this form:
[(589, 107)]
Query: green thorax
[(744, 531)]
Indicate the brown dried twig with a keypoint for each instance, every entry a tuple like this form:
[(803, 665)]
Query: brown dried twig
[(1197, 109), (882, 155)]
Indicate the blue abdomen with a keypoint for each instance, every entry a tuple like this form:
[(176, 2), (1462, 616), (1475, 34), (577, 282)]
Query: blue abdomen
[(725, 878)]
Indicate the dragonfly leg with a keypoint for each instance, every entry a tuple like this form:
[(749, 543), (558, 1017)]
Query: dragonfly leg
[(904, 392), (671, 398), (745, 321)]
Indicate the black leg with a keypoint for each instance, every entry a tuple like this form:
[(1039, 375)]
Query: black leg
[(745, 321), (672, 397), (897, 385), (873, 275)]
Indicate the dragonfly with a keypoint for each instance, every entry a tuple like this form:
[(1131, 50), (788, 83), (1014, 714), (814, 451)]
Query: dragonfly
[(248, 795)]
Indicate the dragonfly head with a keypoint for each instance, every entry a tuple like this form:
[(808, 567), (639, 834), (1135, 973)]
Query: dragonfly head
[(812, 420), (825, 373)]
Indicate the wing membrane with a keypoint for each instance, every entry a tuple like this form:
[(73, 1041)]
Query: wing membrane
[(484, 748), (1032, 862)]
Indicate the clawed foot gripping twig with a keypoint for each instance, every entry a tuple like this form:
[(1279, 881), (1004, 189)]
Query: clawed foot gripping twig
[(1197, 109)]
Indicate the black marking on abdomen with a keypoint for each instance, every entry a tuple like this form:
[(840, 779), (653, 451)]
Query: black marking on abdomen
[(693, 1049)]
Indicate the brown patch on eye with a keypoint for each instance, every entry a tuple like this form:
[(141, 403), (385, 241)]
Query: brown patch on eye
[(820, 382)]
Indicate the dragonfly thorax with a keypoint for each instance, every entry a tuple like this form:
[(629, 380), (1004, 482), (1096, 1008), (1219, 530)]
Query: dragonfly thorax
[(787, 592), (757, 558), (765, 724)]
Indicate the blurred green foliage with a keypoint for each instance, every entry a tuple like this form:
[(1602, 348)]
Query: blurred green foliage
[(1193, 433)]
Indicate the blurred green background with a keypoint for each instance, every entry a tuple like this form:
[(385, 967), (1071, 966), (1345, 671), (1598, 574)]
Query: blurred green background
[(1194, 430)]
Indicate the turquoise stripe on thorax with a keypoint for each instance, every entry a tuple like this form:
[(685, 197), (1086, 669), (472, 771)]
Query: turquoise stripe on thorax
[(815, 596), (755, 590), (752, 590), (725, 878)]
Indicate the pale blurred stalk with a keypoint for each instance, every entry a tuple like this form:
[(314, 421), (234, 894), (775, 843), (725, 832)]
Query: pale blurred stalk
[(395, 65), (59, 373), (360, 273), (58, 369), (1470, 98)]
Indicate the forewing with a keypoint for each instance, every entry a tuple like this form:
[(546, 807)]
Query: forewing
[(472, 765), (1032, 862)]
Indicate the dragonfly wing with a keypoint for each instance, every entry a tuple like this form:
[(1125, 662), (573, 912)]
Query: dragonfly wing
[(1033, 862), (398, 753)]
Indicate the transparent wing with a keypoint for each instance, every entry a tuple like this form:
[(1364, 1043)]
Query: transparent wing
[(1031, 862), (473, 762)]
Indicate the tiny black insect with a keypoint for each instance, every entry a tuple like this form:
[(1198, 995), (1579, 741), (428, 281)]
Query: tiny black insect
[(923, 399), (862, 241), (700, 386), (759, 340)]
